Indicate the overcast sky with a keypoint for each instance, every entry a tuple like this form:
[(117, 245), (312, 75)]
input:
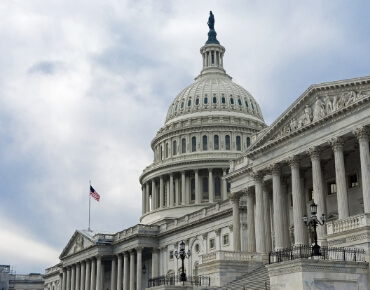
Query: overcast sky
[(85, 85)]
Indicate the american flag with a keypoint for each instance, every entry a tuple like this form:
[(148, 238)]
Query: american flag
[(94, 194)]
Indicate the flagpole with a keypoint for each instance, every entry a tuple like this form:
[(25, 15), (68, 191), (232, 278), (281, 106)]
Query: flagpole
[(89, 205)]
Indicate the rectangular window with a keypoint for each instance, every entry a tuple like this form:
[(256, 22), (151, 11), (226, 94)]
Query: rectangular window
[(225, 240), (332, 187), (352, 180), (212, 244), (171, 255)]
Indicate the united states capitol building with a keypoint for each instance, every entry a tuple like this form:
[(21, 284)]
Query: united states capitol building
[(234, 190)]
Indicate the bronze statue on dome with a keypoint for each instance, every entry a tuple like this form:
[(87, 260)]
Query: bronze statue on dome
[(211, 21)]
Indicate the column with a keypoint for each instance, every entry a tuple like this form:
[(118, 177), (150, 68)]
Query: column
[(68, 284), (102, 276), (278, 206), (139, 266), (126, 269), (64, 283), (304, 202), (177, 192), (88, 275), (259, 218), (224, 185), (298, 201), (154, 198), (235, 197), (250, 222), (93, 277), (285, 211), (119, 272), (143, 199), (132, 270), (82, 279), (318, 190), (113, 276), (78, 272), (161, 192), (171, 190), (267, 216), (155, 263), (147, 197), (98, 272), (210, 185), (362, 135), (197, 194), (73, 277), (340, 177), (183, 192)]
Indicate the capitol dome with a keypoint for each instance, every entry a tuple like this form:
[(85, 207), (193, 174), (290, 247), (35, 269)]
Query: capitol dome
[(208, 124)]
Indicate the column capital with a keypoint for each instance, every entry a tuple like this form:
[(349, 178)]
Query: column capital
[(284, 179), (313, 152), (293, 161), (139, 249), (204, 236), (196, 170), (218, 232), (275, 169), (257, 176), (210, 169), (361, 133), (125, 253), (231, 228), (235, 196), (336, 143)]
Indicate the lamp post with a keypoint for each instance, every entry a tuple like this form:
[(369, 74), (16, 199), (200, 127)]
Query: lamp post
[(314, 222), (182, 255)]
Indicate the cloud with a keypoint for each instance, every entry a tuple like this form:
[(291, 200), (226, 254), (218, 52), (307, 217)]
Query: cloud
[(45, 67)]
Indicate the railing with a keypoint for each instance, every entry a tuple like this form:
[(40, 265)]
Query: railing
[(350, 223), (326, 253), (230, 256), (175, 280)]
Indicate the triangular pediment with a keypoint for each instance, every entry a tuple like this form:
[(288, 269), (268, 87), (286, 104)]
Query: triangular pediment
[(318, 104), (79, 241)]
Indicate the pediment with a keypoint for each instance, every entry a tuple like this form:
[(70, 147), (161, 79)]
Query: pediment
[(318, 104), (77, 243)]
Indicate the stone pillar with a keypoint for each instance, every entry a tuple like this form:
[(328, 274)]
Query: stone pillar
[(161, 192), (98, 273), (119, 272), (267, 216), (126, 269), (196, 181), (250, 222), (278, 206), (154, 198), (78, 272), (147, 197), (132, 270), (235, 197), (211, 190), (155, 263), (93, 277), (362, 135), (113, 275), (73, 277), (171, 190), (259, 218), (177, 192), (64, 282), (139, 265), (143, 200), (298, 201), (68, 284), (340, 177), (88, 275), (82, 278), (318, 191), (285, 211), (224, 185), (183, 191)]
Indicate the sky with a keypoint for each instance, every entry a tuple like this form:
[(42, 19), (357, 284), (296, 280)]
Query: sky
[(85, 86)]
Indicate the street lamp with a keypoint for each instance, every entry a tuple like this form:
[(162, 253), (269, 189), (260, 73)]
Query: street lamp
[(182, 255), (314, 222)]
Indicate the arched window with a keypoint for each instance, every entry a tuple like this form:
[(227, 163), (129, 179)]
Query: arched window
[(205, 141), (217, 187), (166, 150), (232, 101), (248, 142), (205, 188), (197, 102), (240, 102), (182, 105), (192, 189), (252, 106), (214, 100), (174, 147), (223, 100), (216, 142), (189, 103), (206, 100), (193, 144), (227, 142), (246, 103), (183, 145), (238, 145)]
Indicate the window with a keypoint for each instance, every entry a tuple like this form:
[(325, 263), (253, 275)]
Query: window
[(189, 103), (216, 142), (332, 187), (225, 240), (310, 194), (197, 248), (193, 144), (238, 145), (217, 188), (182, 105), (197, 102), (232, 101), (240, 102), (228, 186), (174, 147), (246, 103), (223, 100), (176, 107), (352, 180), (183, 145), (206, 100), (214, 100), (248, 142), (192, 187), (205, 140), (227, 142), (213, 57), (167, 150), (252, 106), (205, 188), (171, 255), (212, 244)]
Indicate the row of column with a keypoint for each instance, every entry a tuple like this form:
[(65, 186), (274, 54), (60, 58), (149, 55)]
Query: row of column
[(183, 192)]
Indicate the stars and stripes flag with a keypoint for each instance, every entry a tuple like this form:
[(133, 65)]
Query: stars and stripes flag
[(94, 194)]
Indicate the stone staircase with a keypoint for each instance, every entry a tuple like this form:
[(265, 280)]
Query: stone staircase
[(258, 279)]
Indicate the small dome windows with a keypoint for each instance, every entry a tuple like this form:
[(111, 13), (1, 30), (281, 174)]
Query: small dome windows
[(252, 106), (182, 105), (246, 103), (223, 100), (205, 100), (240, 102), (189, 102), (214, 100), (231, 101), (197, 101)]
